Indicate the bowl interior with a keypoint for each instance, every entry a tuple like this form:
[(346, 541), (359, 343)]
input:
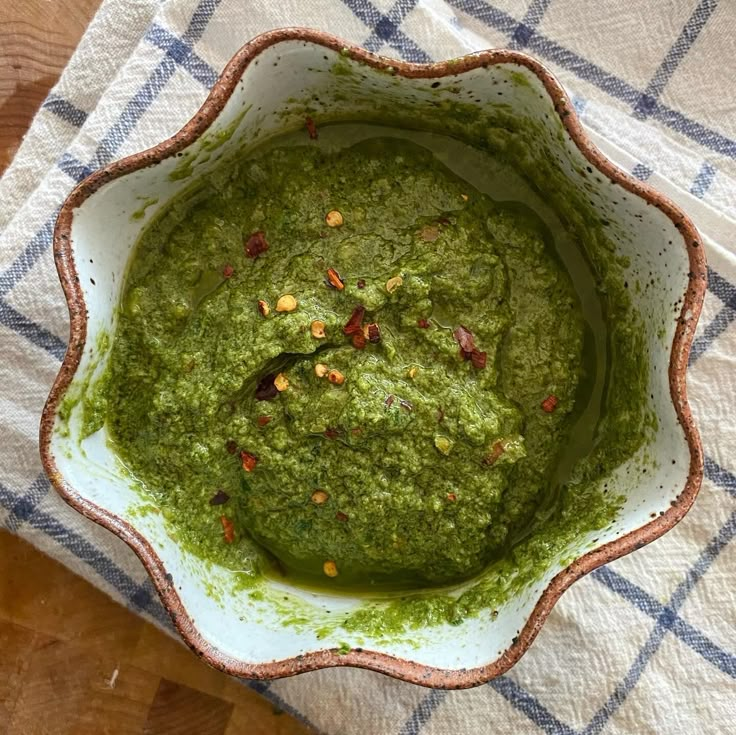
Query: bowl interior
[(285, 82)]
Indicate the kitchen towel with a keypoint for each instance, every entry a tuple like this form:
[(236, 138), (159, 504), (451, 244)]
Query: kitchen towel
[(646, 644)]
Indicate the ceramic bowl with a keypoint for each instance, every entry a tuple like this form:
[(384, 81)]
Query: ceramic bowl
[(261, 91)]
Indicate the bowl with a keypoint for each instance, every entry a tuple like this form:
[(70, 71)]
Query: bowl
[(271, 84)]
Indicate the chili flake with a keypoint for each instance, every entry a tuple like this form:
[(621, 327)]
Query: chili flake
[(336, 377), (354, 324), (334, 218), (263, 308), (429, 233), (464, 337), (341, 516), (286, 303), (451, 497), (228, 529), (478, 359), (227, 271), (389, 401), (256, 244), (422, 323), (443, 444), (319, 497), (334, 280), (361, 283), (231, 446), (331, 433), (393, 283), (373, 333), (311, 128), (317, 328), (248, 461), (219, 498), (266, 390), (359, 340), (263, 420), (496, 451), (549, 404)]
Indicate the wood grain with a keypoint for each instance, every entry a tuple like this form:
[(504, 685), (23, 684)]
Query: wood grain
[(37, 37), (72, 661)]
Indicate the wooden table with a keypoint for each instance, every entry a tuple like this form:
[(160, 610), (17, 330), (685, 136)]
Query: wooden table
[(72, 660)]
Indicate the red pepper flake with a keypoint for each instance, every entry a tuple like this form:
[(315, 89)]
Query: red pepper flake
[(361, 283), (334, 280), (443, 221), (464, 337), (440, 415), (374, 333), (422, 324), (249, 461), (496, 451), (341, 516), (256, 244), (549, 404), (357, 431), (355, 323), (266, 390), (228, 529), (227, 271), (389, 401), (231, 446), (263, 420), (219, 498), (478, 359), (429, 233), (311, 128), (359, 340), (331, 433), (451, 497)]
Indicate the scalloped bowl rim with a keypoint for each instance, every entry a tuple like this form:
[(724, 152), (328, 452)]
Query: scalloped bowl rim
[(399, 668)]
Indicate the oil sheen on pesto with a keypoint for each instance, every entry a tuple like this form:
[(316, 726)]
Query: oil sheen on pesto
[(406, 449)]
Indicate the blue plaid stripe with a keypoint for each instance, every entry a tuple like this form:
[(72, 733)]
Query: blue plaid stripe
[(74, 168), (25, 261), (142, 100), (674, 56), (423, 711), (532, 18), (183, 54), (703, 180), (11, 318), (720, 477), (386, 28), (641, 172), (65, 110), (687, 633), (590, 72), (726, 292)]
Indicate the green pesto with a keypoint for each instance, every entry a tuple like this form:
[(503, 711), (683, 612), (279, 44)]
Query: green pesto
[(85, 393), (418, 505), (140, 213)]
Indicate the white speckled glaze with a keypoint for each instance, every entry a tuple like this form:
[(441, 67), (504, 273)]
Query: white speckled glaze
[(94, 240)]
